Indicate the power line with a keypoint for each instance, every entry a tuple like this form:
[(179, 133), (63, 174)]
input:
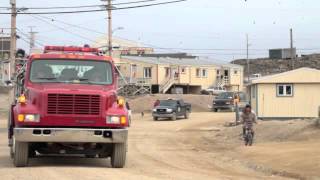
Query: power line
[(85, 6), (98, 10), (63, 29), (28, 37)]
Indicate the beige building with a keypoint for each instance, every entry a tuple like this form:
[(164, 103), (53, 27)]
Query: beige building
[(172, 75), (293, 94), (122, 47)]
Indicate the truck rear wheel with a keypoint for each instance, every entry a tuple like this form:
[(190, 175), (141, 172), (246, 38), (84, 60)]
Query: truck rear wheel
[(118, 157), (21, 154), (155, 118)]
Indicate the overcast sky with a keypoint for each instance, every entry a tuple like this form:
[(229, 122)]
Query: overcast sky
[(195, 24)]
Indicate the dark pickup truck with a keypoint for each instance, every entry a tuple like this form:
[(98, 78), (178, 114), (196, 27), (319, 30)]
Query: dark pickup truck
[(225, 100), (171, 109)]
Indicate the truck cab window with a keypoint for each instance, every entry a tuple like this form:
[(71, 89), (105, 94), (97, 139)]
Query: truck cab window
[(71, 71)]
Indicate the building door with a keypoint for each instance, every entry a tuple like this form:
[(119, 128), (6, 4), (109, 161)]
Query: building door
[(133, 72), (226, 72)]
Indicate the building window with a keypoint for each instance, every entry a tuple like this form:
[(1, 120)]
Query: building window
[(218, 72), (235, 72), (204, 73), (147, 73), (183, 70), (198, 72), (285, 90)]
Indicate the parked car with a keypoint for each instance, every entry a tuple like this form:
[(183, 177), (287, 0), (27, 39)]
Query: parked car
[(213, 90), (225, 100), (171, 109)]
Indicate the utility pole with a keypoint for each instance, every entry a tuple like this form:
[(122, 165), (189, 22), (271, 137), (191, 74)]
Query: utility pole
[(110, 28), (13, 40), (292, 50), (248, 63), (32, 38)]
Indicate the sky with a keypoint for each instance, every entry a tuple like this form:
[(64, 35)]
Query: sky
[(210, 28)]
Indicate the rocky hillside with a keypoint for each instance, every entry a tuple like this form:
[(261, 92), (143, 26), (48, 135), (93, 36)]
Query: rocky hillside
[(267, 66)]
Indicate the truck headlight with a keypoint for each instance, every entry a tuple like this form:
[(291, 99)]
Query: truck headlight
[(113, 120), (169, 110), (29, 118), (116, 120), (154, 110)]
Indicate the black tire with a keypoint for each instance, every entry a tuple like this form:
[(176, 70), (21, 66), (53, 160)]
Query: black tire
[(21, 154), (174, 117), (248, 139), (118, 157), (155, 118), (90, 156), (186, 115), (215, 110)]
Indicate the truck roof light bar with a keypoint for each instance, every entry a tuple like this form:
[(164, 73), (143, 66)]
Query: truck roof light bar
[(70, 49)]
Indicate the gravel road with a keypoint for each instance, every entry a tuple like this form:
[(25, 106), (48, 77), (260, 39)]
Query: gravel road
[(157, 150)]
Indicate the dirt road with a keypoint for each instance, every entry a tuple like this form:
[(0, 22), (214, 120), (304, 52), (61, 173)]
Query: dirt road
[(157, 150)]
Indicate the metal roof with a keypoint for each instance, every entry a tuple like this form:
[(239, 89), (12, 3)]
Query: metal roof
[(178, 61)]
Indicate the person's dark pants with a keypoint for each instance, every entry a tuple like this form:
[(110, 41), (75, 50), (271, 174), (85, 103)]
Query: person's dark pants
[(244, 131)]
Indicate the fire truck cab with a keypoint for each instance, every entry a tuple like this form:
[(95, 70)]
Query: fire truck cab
[(66, 103)]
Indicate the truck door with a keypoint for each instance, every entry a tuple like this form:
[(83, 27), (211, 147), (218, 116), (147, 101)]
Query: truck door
[(181, 108)]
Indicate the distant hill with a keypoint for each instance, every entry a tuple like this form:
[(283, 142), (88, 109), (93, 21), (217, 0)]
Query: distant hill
[(267, 66)]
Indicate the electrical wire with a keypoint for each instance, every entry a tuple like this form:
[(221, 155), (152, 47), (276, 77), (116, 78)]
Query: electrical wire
[(174, 49), (98, 10), (28, 37), (85, 6), (63, 29)]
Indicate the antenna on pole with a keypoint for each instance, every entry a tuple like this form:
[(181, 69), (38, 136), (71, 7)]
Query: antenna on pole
[(32, 39)]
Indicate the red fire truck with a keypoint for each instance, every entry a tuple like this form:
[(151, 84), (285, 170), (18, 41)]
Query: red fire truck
[(66, 103)]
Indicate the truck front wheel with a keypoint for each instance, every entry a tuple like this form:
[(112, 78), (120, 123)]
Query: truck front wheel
[(118, 157), (186, 115), (21, 153), (174, 117)]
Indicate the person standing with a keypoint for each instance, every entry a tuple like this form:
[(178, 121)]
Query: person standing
[(236, 101), (156, 103)]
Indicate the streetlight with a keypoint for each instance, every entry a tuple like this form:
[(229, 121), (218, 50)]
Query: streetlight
[(117, 29)]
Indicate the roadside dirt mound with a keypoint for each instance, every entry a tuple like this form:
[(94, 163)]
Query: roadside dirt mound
[(199, 103), (270, 131)]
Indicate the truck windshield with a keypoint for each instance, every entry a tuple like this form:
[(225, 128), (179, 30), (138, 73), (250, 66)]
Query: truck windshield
[(227, 95), (71, 71), (168, 103)]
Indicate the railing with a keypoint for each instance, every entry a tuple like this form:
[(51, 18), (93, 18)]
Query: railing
[(222, 81), (164, 87), (226, 80)]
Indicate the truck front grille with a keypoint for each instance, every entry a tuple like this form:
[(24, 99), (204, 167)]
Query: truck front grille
[(73, 104), (161, 110)]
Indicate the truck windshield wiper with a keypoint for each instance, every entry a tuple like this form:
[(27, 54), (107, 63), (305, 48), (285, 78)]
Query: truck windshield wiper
[(48, 78), (85, 80)]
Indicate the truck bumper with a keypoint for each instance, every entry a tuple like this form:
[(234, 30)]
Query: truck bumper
[(71, 135), (170, 115), (223, 107)]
